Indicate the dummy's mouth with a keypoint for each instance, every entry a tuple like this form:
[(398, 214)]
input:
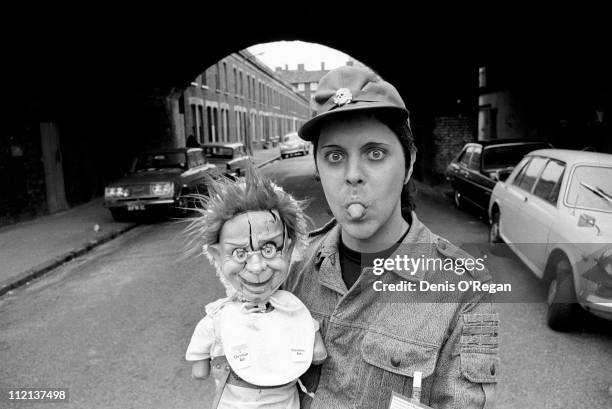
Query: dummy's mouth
[(255, 285)]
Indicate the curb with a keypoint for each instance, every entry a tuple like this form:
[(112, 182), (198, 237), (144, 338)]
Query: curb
[(264, 163), (47, 266)]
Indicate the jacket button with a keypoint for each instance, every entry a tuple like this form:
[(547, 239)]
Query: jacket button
[(218, 366), (395, 362), (492, 369), (227, 368)]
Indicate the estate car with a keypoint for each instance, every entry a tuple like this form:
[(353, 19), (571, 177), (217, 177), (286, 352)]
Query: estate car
[(555, 213)]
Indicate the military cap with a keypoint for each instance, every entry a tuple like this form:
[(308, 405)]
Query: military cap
[(350, 89)]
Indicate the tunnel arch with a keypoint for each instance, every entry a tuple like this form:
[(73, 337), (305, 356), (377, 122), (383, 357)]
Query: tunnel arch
[(106, 86)]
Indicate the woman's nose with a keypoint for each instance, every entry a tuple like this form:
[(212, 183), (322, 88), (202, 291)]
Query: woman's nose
[(354, 172)]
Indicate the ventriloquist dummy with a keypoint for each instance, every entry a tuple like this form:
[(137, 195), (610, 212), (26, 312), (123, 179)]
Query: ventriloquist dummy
[(258, 340)]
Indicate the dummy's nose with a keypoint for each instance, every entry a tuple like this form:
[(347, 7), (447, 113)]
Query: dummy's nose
[(255, 264)]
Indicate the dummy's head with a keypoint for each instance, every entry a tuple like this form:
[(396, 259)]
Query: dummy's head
[(248, 229)]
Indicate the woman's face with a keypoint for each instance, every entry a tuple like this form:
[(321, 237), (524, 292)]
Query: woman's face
[(362, 168), (249, 254)]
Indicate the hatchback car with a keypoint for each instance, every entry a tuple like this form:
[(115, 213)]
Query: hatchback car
[(231, 158), (555, 213), (479, 165), (291, 144), (160, 180)]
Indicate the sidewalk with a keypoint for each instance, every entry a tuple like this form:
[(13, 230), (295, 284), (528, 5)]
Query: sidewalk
[(32, 248)]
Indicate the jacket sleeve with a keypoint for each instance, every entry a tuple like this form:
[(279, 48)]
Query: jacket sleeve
[(468, 365)]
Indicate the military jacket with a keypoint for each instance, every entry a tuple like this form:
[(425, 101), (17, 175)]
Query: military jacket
[(376, 340)]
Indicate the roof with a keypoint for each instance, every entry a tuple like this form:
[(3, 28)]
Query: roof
[(295, 76), (166, 150), (224, 144), (504, 141), (572, 156)]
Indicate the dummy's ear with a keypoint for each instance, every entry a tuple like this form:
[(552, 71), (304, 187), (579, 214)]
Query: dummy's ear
[(215, 250)]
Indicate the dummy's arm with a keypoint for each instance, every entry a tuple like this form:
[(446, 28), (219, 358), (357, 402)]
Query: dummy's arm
[(319, 353), (201, 369)]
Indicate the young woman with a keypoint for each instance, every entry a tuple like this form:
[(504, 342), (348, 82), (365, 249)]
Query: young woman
[(361, 277)]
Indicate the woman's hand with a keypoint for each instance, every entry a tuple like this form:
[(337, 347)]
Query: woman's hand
[(319, 352)]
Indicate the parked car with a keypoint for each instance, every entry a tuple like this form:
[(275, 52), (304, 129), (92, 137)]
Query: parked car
[(160, 180), (479, 165), (231, 158), (292, 144), (555, 213)]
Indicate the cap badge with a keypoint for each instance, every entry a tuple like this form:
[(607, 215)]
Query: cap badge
[(343, 96)]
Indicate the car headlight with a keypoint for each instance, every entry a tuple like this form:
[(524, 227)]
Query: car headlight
[(162, 189), (116, 191), (605, 261)]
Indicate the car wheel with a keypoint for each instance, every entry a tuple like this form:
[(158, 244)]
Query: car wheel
[(458, 200), (496, 243), (119, 215), (562, 306)]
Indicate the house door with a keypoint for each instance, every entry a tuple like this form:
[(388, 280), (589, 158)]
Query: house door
[(54, 174)]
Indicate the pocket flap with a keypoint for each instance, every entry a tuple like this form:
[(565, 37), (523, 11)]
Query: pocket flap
[(480, 367), (398, 356)]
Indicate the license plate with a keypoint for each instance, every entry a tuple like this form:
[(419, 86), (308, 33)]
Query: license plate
[(135, 206)]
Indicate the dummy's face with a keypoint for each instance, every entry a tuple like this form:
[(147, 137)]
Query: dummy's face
[(249, 254)]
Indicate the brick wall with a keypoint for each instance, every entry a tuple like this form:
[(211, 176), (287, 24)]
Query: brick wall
[(450, 133)]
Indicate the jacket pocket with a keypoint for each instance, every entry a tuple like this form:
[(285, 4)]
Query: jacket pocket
[(479, 367), (389, 365)]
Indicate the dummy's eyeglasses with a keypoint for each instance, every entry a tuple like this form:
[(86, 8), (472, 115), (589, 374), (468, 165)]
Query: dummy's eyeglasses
[(268, 251)]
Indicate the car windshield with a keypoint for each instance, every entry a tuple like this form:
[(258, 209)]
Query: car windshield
[(160, 160), (218, 152), (499, 157), (591, 188), (291, 138)]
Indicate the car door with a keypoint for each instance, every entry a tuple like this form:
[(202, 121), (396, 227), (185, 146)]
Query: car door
[(519, 193), (481, 185), (459, 170), (195, 177), (539, 213), (511, 201)]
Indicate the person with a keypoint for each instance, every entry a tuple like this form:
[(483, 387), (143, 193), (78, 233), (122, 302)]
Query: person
[(192, 142), (380, 338), (258, 340)]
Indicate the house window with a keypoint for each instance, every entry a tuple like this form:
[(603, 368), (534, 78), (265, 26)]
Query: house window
[(217, 77), (225, 75), (313, 86), (203, 77), (241, 84), (235, 81), (301, 86), (482, 77)]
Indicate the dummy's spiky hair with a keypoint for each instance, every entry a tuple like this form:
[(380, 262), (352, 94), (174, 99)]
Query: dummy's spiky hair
[(228, 198)]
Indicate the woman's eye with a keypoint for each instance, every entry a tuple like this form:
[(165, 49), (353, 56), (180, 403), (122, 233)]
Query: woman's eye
[(376, 154), (334, 157), (268, 250)]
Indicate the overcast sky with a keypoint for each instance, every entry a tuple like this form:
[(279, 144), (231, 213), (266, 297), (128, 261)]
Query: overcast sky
[(292, 53)]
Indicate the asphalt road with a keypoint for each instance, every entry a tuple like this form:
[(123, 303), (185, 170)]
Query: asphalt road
[(113, 326)]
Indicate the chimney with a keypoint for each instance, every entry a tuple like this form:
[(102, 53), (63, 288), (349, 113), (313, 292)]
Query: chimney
[(349, 63), (322, 65), (286, 67), (300, 67)]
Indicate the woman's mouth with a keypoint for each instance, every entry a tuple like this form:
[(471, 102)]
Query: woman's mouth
[(356, 210)]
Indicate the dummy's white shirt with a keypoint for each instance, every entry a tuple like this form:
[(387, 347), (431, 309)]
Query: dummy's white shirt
[(205, 341)]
